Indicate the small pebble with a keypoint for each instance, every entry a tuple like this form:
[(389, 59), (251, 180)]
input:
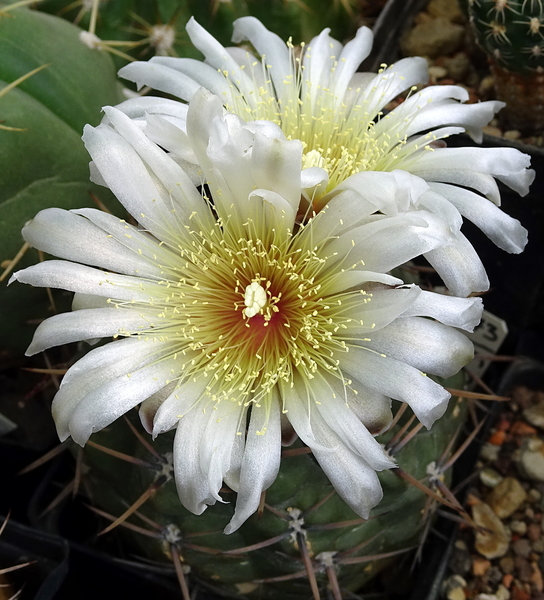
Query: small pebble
[(490, 452), (506, 564), (538, 546), (452, 588), (520, 594), (530, 462), (518, 527), (494, 576), (493, 541), (432, 38), (535, 415), (506, 497), (522, 428), (436, 73), (512, 134), (524, 569), (490, 130), (490, 477), (536, 579), (460, 561), (533, 495), (522, 547), (523, 396), (480, 566), (486, 597), (534, 531), (502, 593), (458, 65), (486, 86), (461, 545)]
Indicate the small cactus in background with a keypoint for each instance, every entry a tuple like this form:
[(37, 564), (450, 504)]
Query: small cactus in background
[(511, 33)]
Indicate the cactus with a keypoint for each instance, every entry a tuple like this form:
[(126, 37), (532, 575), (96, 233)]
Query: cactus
[(511, 34), (48, 91), (140, 28), (305, 542)]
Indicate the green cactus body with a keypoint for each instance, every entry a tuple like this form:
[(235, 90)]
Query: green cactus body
[(158, 26), (303, 519), (511, 33)]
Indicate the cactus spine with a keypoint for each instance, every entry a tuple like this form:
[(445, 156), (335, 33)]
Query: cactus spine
[(306, 541), (142, 28)]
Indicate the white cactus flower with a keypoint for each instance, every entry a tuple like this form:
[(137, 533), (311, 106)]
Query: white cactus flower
[(317, 96), (233, 321)]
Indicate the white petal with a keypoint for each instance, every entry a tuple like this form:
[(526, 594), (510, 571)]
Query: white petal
[(389, 242), (128, 178), (378, 308), (237, 162), (277, 166), (397, 380), (84, 325), (162, 262), (74, 277), (354, 279), (313, 181), (460, 267), (251, 65), (64, 234), (161, 78), (371, 408), (269, 210), (464, 313), (352, 55), (192, 484), (343, 212), (260, 462), (393, 81), (224, 425), (507, 233), (389, 192), (342, 420), (475, 168), (203, 74), (170, 137), (270, 46), (472, 117), (353, 479), (319, 57), (93, 370), (219, 58), (182, 401), (172, 184), (426, 345), (403, 116), (150, 406), (438, 205), (82, 301), (299, 410), (141, 106), (103, 405)]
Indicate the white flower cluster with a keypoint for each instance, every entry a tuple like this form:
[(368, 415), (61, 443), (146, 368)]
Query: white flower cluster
[(254, 298)]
